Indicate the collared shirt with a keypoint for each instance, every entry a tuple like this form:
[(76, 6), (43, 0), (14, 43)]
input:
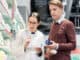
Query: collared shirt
[(60, 19)]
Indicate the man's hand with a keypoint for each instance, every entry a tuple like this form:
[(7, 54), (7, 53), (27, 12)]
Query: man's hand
[(54, 45)]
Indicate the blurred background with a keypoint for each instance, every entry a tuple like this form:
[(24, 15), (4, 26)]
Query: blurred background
[(14, 16)]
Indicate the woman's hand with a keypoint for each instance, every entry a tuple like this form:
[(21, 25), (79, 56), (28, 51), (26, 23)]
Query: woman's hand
[(27, 41), (47, 53), (38, 49)]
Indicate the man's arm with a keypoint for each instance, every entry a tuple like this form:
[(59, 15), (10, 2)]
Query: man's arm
[(71, 43)]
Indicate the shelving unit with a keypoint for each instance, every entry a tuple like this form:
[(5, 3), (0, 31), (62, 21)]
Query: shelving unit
[(75, 15)]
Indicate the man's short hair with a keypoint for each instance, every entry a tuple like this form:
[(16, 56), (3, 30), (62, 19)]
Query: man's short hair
[(56, 2)]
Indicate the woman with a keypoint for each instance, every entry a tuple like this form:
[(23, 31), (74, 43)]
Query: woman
[(31, 39), (62, 33)]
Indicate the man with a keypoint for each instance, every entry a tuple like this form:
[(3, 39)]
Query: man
[(62, 33)]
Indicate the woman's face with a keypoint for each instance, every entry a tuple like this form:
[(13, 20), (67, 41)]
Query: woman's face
[(33, 24), (55, 11)]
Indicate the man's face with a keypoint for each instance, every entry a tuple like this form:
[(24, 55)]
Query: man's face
[(33, 23), (55, 11)]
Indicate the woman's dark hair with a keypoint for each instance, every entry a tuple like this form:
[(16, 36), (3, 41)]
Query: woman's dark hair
[(35, 14)]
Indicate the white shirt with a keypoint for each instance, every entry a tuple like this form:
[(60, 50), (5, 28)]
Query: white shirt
[(37, 40), (60, 19)]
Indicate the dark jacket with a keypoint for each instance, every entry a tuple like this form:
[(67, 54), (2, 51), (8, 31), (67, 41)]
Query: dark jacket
[(64, 35)]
